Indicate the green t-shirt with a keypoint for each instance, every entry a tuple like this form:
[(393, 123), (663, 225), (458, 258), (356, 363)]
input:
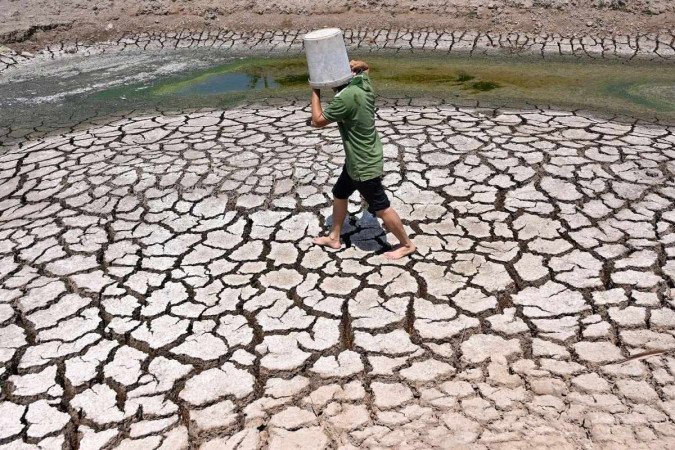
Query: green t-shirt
[(353, 108)]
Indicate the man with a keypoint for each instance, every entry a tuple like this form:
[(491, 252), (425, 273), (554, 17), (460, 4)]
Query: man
[(353, 108)]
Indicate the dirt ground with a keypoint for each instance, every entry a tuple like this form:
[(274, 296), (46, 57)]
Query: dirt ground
[(30, 24)]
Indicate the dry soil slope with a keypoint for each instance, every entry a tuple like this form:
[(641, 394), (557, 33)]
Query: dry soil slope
[(32, 23)]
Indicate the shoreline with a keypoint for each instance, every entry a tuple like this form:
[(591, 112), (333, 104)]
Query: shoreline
[(652, 47), (482, 108)]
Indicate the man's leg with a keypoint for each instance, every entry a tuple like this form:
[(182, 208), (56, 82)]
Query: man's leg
[(344, 187), (378, 205), (339, 216), (393, 223)]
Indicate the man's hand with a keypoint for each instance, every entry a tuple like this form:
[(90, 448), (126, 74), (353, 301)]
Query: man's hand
[(358, 66)]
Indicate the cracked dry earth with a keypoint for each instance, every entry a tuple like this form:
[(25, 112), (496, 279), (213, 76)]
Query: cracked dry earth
[(158, 288), (647, 46)]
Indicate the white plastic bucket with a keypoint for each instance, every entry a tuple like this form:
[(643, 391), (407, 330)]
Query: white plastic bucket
[(327, 58)]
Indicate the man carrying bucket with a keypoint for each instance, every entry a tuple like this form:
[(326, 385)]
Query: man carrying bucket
[(353, 108)]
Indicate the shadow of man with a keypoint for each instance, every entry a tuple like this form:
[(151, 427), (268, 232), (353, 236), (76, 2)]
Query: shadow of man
[(364, 232)]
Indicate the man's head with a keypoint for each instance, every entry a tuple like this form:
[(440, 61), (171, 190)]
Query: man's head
[(357, 67)]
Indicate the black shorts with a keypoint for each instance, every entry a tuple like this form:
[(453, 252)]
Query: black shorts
[(371, 190)]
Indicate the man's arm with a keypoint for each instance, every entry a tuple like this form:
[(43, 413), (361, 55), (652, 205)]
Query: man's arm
[(318, 120)]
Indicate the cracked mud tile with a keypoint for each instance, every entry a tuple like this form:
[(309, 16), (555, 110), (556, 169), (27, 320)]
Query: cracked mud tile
[(161, 299)]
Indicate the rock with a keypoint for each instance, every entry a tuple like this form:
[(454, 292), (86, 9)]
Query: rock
[(347, 363), (637, 391), (426, 370), (591, 382), (598, 352), (388, 395), (312, 438), (480, 347), (217, 382)]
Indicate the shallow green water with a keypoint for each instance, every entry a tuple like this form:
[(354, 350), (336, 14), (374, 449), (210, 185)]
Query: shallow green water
[(68, 92), (638, 89)]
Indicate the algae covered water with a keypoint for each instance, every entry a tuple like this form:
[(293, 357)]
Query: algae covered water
[(639, 89), (77, 89)]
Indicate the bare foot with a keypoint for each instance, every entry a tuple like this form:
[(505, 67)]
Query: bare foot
[(327, 241), (400, 252)]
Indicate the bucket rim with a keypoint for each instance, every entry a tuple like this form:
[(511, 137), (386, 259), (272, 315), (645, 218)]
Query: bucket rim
[(333, 83), (327, 32)]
